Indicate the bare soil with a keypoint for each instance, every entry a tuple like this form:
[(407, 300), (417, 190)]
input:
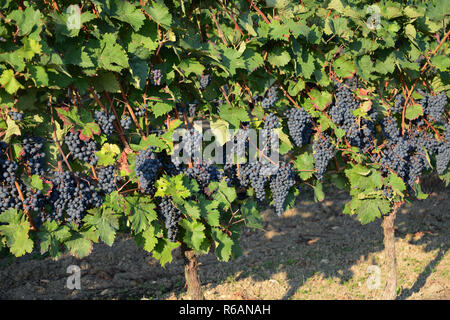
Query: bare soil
[(312, 252)]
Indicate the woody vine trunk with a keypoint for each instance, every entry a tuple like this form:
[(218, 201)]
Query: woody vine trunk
[(193, 283), (390, 290)]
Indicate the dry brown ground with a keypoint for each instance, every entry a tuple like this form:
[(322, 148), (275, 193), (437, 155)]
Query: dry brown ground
[(312, 252)]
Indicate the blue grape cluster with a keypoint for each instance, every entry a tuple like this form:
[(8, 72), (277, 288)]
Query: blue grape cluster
[(323, 152), (16, 116), (399, 101), (141, 111), (9, 196), (33, 200), (390, 129), (299, 125), (203, 173), (405, 154), (271, 122), (146, 168), (359, 133), (280, 184), (33, 155), (435, 107), (105, 121), (157, 76), (171, 216), (205, 80), (107, 180), (72, 196), (270, 98), (81, 150), (443, 152), (126, 123), (252, 174)]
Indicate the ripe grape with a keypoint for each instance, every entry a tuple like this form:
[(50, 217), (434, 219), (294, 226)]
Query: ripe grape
[(323, 152), (81, 150), (105, 121), (16, 116), (146, 169), (205, 80), (299, 125)]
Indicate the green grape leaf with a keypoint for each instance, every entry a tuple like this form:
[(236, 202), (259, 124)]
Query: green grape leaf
[(224, 244), (161, 108), (141, 212), (107, 155), (163, 251), (279, 57), (193, 233), (233, 115), (15, 231), (9, 82), (106, 221), (159, 12), (305, 165), (413, 112)]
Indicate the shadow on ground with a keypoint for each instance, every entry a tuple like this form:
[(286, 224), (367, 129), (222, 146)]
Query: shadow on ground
[(312, 252)]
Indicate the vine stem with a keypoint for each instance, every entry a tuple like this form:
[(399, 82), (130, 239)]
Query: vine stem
[(232, 18), (390, 290), (221, 35), (52, 119), (130, 110), (117, 124), (191, 265), (252, 5)]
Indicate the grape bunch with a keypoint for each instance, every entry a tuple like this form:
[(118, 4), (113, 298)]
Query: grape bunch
[(126, 123), (299, 125), (141, 111), (270, 98), (171, 215), (205, 80), (81, 150), (9, 197), (157, 76), (105, 121), (32, 155), (435, 107), (323, 152), (280, 184), (252, 174), (146, 169), (16, 116), (72, 196), (390, 129), (399, 101), (359, 132), (107, 179), (33, 200), (8, 171), (443, 152), (203, 173)]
